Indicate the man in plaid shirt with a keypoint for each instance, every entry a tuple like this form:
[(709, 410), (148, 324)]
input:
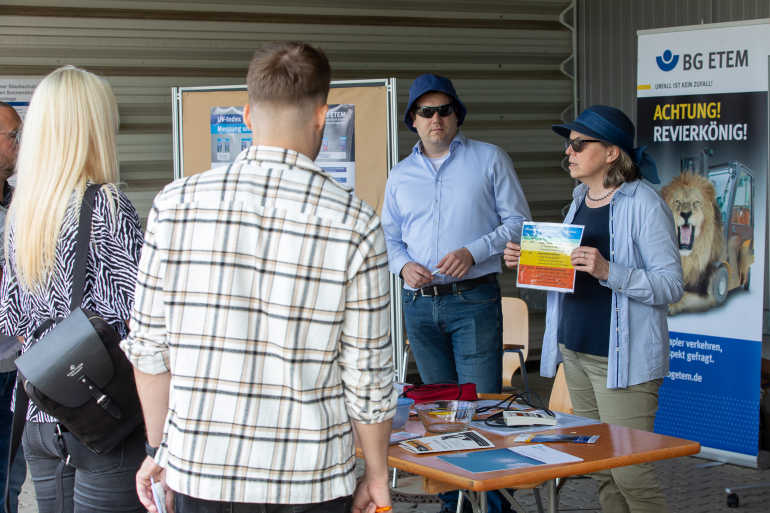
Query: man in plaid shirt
[(260, 331)]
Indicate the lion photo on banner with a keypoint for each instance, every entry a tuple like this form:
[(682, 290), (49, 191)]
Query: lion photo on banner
[(715, 236)]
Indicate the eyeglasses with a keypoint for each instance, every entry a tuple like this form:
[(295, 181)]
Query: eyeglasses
[(428, 112), (578, 145), (14, 135)]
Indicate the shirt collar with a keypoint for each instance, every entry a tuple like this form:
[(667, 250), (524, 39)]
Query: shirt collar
[(285, 156), (458, 139)]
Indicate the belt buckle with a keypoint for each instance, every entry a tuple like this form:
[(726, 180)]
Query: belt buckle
[(423, 291)]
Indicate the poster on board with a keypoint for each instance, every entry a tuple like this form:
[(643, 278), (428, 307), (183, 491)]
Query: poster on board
[(337, 156), (230, 136), (17, 91), (702, 113)]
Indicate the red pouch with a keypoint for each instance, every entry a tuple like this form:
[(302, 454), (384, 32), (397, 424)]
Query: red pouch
[(441, 392)]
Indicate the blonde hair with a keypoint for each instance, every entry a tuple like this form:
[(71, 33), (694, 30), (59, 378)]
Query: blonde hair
[(68, 139)]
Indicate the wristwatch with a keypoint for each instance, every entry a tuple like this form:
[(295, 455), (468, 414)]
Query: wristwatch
[(149, 449)]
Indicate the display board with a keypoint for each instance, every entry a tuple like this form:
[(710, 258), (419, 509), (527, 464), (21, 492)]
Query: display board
[(702, 111), (210, 120), (359, 145)]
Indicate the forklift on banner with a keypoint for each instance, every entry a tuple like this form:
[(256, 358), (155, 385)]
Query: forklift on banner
[(734, 190)]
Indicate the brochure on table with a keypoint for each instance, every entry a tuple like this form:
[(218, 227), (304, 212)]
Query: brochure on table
[(459, 441)]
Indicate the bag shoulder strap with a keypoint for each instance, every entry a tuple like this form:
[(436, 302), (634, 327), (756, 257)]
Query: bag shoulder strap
[(78, 284), (17, 429), (81, 245)]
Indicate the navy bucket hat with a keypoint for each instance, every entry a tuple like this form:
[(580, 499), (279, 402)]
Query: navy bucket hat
[(611, 125), (425, 84)]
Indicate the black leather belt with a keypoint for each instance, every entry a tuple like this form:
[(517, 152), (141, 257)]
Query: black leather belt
[(458, 286)]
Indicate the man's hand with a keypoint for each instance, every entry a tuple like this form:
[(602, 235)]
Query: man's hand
[(371, 494), (415, 275), (151, 470), (511, 255), (456, 263), (589, 260)]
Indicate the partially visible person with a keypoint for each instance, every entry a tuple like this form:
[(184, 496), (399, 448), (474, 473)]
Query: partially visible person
[(612, 332), (69, 142), (10, 133), (449, 208), (261, 327)]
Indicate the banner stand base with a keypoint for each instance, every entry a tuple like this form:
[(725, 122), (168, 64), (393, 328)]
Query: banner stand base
[(736, 458)]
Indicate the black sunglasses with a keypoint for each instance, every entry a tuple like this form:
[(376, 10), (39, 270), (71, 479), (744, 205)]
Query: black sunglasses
[(428, 112), (578, 145)]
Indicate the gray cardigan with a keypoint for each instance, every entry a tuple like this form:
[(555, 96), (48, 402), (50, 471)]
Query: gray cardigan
[(645, 277)]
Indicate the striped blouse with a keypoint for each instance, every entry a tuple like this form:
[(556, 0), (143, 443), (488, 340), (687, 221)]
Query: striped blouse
[(115, 248)]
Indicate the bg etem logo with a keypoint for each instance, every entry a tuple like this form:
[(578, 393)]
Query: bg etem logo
[(716, 60)]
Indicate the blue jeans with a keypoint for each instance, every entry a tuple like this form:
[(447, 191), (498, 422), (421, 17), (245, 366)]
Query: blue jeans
[(19, 469), (457, 338), (186, 504)]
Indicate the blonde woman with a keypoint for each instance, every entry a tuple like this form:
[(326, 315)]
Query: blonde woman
[(68, 142)]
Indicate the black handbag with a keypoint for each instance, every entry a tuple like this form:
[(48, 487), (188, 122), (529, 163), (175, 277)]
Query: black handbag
[(77, 372)]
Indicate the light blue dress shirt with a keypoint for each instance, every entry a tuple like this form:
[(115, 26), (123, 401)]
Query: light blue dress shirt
[(474, 200), (645, 277)]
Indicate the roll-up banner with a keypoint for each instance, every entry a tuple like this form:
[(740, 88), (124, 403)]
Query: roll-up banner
[(702, 111)]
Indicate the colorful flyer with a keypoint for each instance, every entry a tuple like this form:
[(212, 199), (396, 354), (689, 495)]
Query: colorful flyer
[(545, 256)]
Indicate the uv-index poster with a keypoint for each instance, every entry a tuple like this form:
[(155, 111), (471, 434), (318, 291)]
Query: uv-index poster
[(545, 256)]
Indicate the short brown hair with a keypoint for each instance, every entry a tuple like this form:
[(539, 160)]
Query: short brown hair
[(288, 72), (622, 169)]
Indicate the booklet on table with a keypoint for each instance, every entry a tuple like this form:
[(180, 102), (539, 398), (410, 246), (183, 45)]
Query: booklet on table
[(509, 458)]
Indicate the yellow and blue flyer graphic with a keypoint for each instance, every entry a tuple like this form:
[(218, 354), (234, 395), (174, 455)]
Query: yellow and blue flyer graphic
[(545, 256)]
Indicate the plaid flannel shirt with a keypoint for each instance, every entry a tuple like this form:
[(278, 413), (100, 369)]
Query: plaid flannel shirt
[(263, 289)]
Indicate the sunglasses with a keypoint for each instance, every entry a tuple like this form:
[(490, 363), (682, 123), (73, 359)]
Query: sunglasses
[(578, 145), (14, 135), (428, 112)]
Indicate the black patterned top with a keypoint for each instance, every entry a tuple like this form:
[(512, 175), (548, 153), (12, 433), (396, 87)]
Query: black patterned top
[(115, 247)]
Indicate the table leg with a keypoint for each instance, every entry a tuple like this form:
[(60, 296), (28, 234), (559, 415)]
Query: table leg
[(553, 495), (482, 502), (460, 497)]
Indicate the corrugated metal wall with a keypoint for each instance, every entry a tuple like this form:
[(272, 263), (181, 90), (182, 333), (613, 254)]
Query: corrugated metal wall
[(503, 56), (607, 49), (607, 39)]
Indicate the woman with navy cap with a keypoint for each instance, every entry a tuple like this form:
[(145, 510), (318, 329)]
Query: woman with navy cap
[(611, 333)]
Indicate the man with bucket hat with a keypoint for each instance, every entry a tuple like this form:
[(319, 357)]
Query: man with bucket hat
[(450, 207)]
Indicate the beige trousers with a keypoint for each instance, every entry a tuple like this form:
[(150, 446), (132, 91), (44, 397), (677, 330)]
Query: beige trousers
[(631, 489)]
